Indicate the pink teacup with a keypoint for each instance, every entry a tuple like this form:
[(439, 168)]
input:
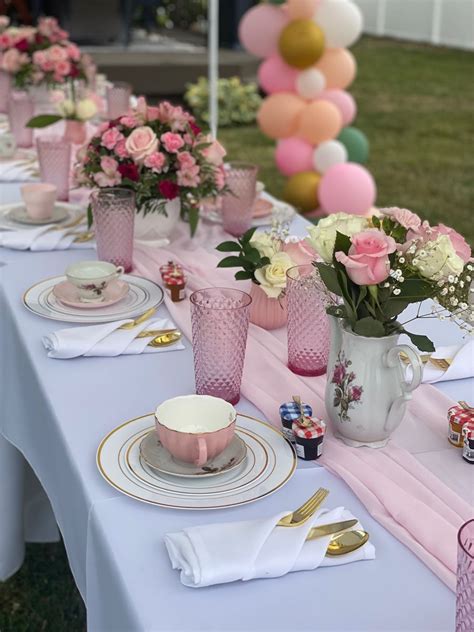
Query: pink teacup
[(195, 428), (39, 199)]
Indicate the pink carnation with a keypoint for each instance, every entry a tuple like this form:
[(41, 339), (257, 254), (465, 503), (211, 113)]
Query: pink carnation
[(111, 137), (172, 142), (189, 177), (62, 68), (121, 150), (108, 165), (403, 216), (129, 121), (57, 53), (155, 161), (186, 161)]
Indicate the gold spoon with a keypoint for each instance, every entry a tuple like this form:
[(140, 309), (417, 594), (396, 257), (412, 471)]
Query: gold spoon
[(165, 340), (140, 319), (346, 542)]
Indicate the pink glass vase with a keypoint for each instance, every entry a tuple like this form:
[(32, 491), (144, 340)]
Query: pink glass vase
[(75, 132), (268, 313), (114, 216), (308, 324), (54, 157), (465, 579), (118, 99), (5, 87), (237, 204), (20, 111), (220, 321)]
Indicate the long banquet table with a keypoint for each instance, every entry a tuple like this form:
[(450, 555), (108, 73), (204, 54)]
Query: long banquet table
[(54, 415)]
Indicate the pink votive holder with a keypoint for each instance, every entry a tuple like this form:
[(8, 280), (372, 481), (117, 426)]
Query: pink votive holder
[(237, 203), (39, 199), (118, 99), (20, 111), (54, 157)]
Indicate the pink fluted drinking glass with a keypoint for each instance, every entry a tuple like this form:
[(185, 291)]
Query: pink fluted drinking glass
[(5, 87), (308, 324), (54, 157), (114, 217), (20, 111), (220, 322), (118, 99), (237, 204), (465, 579)]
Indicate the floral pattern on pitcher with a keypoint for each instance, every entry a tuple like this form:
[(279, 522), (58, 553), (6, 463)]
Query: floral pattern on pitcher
[(346, 393)]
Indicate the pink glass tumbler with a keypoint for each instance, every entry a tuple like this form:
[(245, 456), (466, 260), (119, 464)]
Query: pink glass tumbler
[(20, 111), (465, 579), (54, 157), (5, 87), (114, 217), (220, 322), (308, 324), (237, 204), (118, 99)]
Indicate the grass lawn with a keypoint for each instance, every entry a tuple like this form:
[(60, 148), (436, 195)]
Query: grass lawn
[(415, 105)]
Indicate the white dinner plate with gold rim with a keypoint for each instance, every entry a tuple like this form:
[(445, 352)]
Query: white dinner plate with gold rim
[(270, 463), (142, 295), (11, 216)]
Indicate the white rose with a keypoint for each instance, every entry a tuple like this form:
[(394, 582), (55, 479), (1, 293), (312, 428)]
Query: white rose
[(322, 237), (272, 278), (438, 259), (86, 109), (141, 143), (66, 108), (266, 245)]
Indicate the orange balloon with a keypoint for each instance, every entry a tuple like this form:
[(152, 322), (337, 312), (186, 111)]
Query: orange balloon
[(279, 114), (339, 67), (319, 121), (301, 9)]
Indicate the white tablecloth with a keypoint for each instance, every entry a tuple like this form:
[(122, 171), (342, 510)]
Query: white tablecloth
[(56, 413)]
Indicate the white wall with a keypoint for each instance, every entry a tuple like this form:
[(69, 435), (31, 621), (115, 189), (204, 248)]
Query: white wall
[(445, 22)]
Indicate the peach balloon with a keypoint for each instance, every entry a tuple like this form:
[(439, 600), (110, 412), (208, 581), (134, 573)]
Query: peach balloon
[(338, 66), (319, 121), (279, 113), (301, 9)]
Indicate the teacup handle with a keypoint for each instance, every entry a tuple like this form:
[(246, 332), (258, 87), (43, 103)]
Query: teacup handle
[(119, 271), (202, 452)]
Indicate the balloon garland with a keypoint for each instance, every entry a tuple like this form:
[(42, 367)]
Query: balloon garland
[(305, 72)]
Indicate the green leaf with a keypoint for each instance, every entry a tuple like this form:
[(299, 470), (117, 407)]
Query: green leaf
[(90, 217), (394, 307), (252, 254), (422, 342), (246, 237), (229, 246), (43, 120), (231, 262), (329, 277), (369, 327), (243, 275), (375, 221), (193, 216), (414, 290), (342, 243)]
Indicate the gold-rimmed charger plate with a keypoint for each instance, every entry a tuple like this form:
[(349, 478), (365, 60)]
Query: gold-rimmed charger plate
[(270, 463)]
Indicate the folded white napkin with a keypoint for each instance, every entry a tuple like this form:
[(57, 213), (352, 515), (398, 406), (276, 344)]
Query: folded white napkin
[(19, 169), (462, 364), (105, 340), (44, 239), (222, 553)]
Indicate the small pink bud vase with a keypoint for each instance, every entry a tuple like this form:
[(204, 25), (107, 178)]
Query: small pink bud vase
[(75, 132), (268, 313), (366, 389)]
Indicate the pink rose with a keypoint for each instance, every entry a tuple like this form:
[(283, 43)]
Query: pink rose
[(186, 161), (403, 216), (57, 53), (189, 177), (13, 60), (172, 142), (155, 162), (111, 137), (141, 143), (108, 165), (129, 121), (367, 262), (299, 251), (121, 150), (62, 68), (215, 153)]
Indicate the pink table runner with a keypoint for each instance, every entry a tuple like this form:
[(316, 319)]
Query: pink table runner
[(399, 492)]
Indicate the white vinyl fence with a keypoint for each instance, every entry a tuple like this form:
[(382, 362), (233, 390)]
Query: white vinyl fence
[(444, 22)]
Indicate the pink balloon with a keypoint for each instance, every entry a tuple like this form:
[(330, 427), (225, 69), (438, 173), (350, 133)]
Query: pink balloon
[(274, 75), (347, 188), (294, 155), (343, 101), (260, 29)]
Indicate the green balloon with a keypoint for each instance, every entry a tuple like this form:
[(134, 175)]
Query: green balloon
[(356, 144)]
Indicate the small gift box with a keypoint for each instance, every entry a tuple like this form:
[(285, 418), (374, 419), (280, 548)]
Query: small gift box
[(290, 412), (468, 444), (458, 415), (309, 435)]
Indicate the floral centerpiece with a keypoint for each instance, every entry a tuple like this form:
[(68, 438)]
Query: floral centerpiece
[(158, 152)]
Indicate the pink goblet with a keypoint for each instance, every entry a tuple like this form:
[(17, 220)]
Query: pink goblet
[(308, 324), (237, 204), (465, 579), (118, 99), (20, 111), (54, 157), (220, 322)]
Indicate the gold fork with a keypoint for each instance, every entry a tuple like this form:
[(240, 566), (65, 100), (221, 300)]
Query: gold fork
[(304, 513), (441, 363), (72, 224), (140, 319)]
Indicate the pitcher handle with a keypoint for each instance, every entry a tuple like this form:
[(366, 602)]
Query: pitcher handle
[(393, 360)]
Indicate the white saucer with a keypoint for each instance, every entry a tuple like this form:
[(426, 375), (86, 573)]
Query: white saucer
[(157, 456), (20, 214), (12, 216)]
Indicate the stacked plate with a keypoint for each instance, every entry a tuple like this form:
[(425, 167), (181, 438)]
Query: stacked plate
[(15, 217), (257, 463)]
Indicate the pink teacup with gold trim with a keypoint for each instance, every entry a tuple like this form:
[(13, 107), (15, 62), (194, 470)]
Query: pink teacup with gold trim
[(195, 428)]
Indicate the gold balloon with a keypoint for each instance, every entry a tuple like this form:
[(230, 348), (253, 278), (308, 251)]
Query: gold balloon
[(301, 43), (301, 191)]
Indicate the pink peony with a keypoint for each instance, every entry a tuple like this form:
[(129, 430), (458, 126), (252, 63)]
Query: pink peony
[(403, 216), (141, 143), (215, 153), (111, 137), (155, 162), (13, 60), (367, 262), (121, 150), (172, 142), (129, 121), (189, 177)]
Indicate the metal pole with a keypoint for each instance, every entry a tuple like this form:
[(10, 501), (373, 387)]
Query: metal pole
[(213, 54)]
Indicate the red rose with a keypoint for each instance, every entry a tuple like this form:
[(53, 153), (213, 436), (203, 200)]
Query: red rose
[(74, 72), (168, 189), (130, 171), (22, 45), (196, 130)]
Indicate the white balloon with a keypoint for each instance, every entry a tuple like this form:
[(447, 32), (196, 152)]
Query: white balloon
[(341, 21), (328, 154), (310, 83)]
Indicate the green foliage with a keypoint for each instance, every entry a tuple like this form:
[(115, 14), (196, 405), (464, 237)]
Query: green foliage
[(43, 120), (249, 258)]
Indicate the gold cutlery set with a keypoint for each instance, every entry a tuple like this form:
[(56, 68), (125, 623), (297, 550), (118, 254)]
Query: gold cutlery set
[(161, 337), (82, 236), (344, 539), (440, 363)]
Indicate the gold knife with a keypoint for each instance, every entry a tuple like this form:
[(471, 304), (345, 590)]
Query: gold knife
[(330, 529)]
